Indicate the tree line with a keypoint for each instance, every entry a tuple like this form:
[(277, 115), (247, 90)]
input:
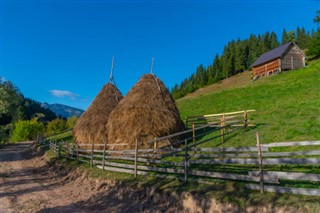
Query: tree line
[(238, 55), (22, 118)]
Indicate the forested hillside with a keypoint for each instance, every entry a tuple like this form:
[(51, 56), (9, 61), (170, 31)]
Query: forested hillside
[(14, 107), (238, 55)]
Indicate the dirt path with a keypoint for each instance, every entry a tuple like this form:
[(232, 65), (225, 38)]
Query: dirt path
[(26, 184)]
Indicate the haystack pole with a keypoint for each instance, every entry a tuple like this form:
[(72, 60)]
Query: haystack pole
[(91, 126)]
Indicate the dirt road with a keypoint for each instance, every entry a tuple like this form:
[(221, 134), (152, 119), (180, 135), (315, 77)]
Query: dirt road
[(27, 185)]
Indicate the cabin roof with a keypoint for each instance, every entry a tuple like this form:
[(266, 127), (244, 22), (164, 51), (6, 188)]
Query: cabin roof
[(272, 54)]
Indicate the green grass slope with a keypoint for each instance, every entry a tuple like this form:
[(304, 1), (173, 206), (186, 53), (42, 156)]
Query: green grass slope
[(288, 106)]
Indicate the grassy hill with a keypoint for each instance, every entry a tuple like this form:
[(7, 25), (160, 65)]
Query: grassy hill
[(288, 105)]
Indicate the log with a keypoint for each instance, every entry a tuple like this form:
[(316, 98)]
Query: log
[(144, 160), (231, 149), (84, 161), (230, 113), (232, 176), (266, 161), (130, 171), (84, 156), (147, 168), (279, 189), (89, 144), (290, 175), (301, 143), (252, 155)]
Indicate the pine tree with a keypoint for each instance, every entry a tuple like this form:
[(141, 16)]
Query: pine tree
[(284, 38), (291, 36), (273, 41), (240, 56)]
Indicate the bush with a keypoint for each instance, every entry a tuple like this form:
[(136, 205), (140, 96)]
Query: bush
[(71, 121), (27, 130), (55, 126)]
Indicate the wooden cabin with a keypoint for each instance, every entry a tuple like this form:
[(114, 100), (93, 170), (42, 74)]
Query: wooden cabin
[(285, 57)]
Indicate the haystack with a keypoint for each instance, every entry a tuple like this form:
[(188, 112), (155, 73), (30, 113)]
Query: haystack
[(148, 111), (91, 126)]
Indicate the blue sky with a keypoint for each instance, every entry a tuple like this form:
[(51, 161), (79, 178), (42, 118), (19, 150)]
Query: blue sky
[(61, 51)]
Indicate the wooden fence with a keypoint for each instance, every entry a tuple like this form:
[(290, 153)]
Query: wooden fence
[(256, 164), (220, 119)]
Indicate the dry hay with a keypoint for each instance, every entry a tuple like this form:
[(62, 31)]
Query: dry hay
[(91, 126), (148, 111)]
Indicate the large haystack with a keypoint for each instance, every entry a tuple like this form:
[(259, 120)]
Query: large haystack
[(148, 111), (91, 126)]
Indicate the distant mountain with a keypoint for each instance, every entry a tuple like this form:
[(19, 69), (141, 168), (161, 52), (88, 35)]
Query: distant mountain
[(63, 110)]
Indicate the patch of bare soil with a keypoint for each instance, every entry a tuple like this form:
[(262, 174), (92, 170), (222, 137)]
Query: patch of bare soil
[(236, 81), (34, 185)]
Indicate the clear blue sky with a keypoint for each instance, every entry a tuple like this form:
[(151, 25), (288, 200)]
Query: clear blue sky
[(60, 51)]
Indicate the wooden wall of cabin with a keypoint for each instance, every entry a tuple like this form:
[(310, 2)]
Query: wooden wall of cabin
[(292, 59), (267, 68)]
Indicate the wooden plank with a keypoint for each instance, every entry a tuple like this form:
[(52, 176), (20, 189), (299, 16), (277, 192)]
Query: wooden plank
[(85, 156), (147, 168), (84, 161), (175, 134), (290, 175), (231, 149), (301, 143), (297, 153), (89, 144), (130, 171), (230, 113), (266, 154), (266, 161), (232, 176), (279, 189), (144, 160)]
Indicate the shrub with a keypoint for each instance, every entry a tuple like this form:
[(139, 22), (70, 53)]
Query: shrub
[(55, 126), (71, 121), (27, 130)]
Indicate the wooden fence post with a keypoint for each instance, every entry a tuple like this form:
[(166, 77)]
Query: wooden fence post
[(56, 151), (67, 150), (104, 154), (136, 159), (193, 134), (185, 161), (77, 153), (245, 117), (260, 163), (222, 127), (92, 148), (59, 151), (155, 147)]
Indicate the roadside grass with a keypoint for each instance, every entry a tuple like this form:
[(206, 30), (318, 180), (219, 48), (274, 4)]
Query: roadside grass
[(228, 192), (287, 107), (65, 136)]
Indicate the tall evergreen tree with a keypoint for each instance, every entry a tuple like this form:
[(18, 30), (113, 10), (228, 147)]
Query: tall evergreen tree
[(284, 38), (273, 41), (217, 68)]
